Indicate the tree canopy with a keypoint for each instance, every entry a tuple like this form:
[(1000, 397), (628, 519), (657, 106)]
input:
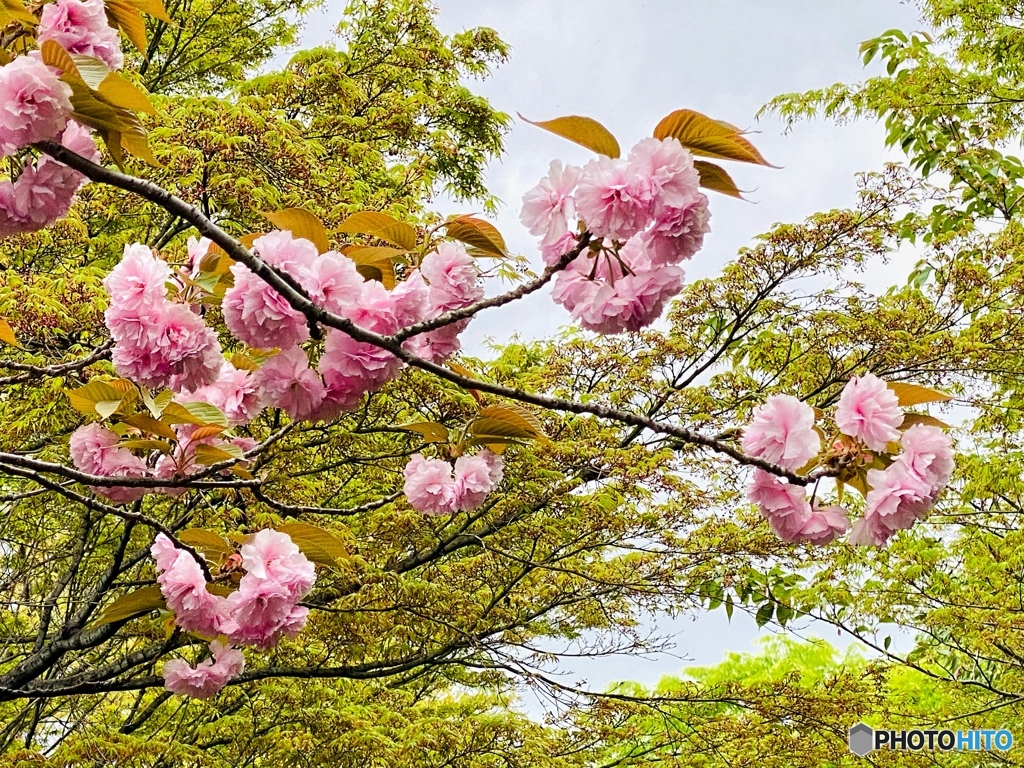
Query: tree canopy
[(623, 459)]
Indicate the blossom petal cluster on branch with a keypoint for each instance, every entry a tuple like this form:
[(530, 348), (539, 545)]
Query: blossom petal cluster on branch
[(433, 487), (900, 490), (647, 214), (261, 612)]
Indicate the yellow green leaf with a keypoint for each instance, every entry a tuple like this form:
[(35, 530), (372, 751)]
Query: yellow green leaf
[(85, 399), (211, 544), (318, 545), (432, 431), (18, 12), (478, 234), (708, 138), (210, 454), (913, 419), (301, 223), (119, 92), (584, 131), (381, 226), (715, 178), (133, 604), (7, 334), (914, 394), (128, 19)]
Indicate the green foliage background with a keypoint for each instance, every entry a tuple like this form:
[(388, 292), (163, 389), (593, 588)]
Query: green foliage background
[(422, 638)]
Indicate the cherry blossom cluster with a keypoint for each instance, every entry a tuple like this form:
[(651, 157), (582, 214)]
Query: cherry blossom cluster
[(161, 341), (906, 469), (646, 213), (433, 487), (35, 105), (262, 611)]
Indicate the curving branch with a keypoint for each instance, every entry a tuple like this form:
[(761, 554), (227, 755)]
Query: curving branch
[(300, 301)]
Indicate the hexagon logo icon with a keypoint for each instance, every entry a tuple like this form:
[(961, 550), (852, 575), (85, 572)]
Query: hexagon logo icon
[(862, 739)]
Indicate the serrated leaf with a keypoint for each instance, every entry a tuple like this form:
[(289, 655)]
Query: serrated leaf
[(18, 12), (210, 454), (382, 274), (914, 394), (301, 223), (85, 398), (517, 418), (708, 138), (584, 131), (209, 414), (210, 430), (477, 233), (913, 419), (432, 431), (156, 405), (133, 604), (7, 334), (107, 408), (211, 544), (317, 544), (243, 362), (129, 21), (764, 613), (715, 178), (119, 92), (381, 226), (90, 70)]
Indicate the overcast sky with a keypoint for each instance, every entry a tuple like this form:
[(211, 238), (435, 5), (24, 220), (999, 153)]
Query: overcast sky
[(629, 63)]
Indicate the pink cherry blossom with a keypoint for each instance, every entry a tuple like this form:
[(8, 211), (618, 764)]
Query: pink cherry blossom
[(784, 505), (412, 299), (34, 104), (548, 207), (80, 27), (277, 576), (352, 368), (44, 191), (334, 283), (678, 233), (258, 315), (429, 486), (286, 381), (376, 309), (552, 254), (94, 450), (897, 499), (666, 176), (616, 297), (475, 477), (183, 586), (869, 411), (612, 200), (207, 677), (437, 345), (288, 253), (453, 276), (782, 431), (824, 525), (235, 392), (260, 608), (166, 346), (272, 556), (928, 453), (138, 283)]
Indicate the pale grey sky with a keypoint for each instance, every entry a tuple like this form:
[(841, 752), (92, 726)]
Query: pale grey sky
[(627, 64)]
